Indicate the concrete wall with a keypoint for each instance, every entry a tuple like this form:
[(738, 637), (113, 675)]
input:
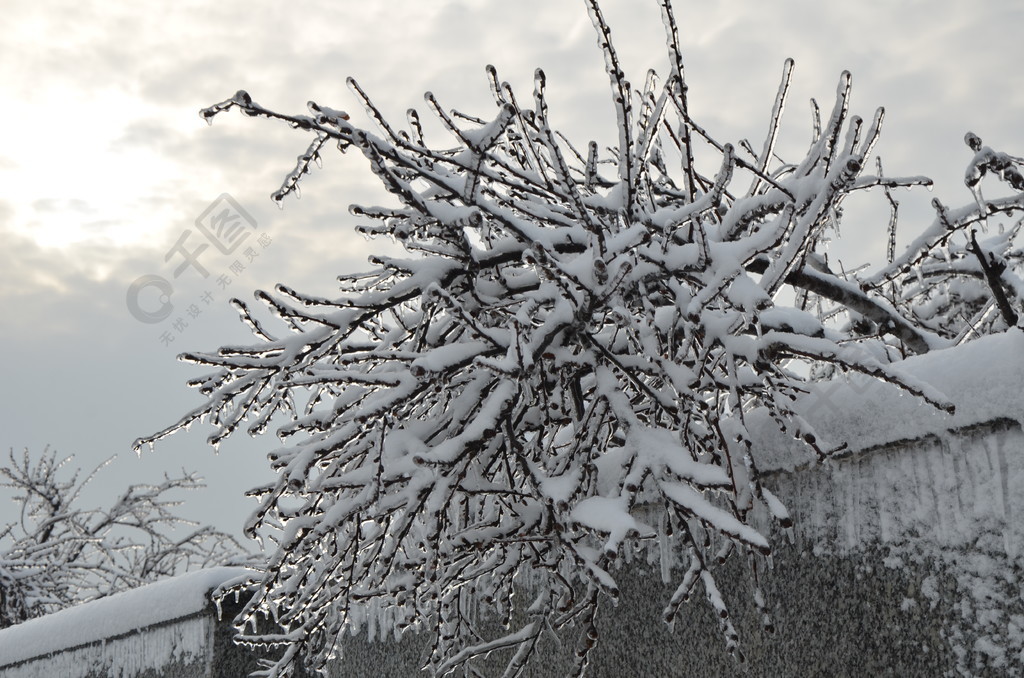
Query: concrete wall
[(178, 648), (196, 646), (168, 629)]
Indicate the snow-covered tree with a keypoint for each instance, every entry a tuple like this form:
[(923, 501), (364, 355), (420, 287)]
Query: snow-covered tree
[(947, 280), (566, 362), (58, 553)]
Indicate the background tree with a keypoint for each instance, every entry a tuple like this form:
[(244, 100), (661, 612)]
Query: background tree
[(572, 358), (58, 553)]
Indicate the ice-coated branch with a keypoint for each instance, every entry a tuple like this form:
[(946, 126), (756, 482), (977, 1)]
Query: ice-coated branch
[(993, 269)]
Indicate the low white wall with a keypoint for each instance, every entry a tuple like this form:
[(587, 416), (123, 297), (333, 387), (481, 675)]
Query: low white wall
[(181, 648), (166, 629)]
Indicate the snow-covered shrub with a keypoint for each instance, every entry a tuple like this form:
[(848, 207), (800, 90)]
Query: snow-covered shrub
[(59, 553), (946, 280), (563, 364)]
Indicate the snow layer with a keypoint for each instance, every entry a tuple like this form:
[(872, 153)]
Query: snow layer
[(117, 615), (982, 378)]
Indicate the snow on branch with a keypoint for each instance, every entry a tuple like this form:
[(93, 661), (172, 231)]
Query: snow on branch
[(564, 359)]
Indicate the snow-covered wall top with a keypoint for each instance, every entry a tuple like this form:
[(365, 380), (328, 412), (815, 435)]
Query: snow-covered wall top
[(113, 616), (983, 378)]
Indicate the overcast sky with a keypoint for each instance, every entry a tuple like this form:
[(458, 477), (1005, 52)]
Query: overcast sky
[(105, 164)]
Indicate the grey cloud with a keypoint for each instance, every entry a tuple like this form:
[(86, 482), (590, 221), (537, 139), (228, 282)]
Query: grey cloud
[(152, 134), (46, 288), (63, 205)]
